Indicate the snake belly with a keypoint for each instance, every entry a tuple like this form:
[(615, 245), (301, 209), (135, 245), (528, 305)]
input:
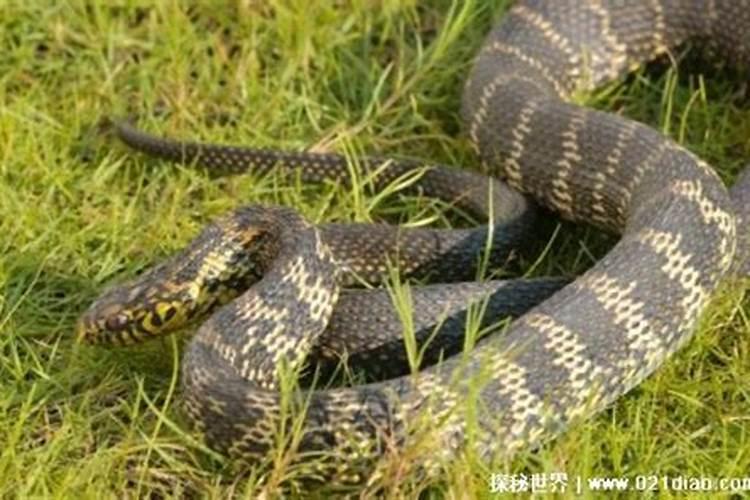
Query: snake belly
[(568, 357)]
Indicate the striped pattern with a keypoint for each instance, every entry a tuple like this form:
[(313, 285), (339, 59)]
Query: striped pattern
[(569, 356)]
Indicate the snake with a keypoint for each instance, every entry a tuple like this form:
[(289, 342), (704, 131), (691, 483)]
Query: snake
[(584, 345), (363, 329)]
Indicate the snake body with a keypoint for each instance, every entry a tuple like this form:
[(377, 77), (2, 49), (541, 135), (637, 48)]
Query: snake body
[(571, 355)]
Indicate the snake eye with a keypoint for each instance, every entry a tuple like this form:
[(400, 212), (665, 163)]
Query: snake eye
[(117, 322)]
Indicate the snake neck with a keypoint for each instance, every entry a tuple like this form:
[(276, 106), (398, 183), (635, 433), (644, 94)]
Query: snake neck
[(274, 323)]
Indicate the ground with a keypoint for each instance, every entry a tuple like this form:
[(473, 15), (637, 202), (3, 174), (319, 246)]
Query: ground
[(78, 211)]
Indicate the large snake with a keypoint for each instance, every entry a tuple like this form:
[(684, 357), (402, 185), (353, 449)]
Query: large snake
[(568, 357)]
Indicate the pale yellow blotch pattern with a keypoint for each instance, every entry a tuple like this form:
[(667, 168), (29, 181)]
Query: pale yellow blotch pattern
[(550, 32), (532, 63), (712, 215), (525, 405), (643, 337), (612, 164), (477, 120), (445, 406), (678, 268), (568, 349), (212, 267), (616, 56), (658, 42), (519, 133), (561, 194)]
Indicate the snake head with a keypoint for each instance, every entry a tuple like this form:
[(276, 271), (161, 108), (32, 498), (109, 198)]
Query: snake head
[(169, 296), (226, 259), (132, 312)]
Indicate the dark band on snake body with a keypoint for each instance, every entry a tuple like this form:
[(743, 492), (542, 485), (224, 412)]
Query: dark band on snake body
[(576, 352), (366, 332)]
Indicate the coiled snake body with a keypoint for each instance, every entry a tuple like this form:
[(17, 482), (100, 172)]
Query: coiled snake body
[(568, 357)]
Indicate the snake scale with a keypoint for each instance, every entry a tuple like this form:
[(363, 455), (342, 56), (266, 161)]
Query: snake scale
[(566, 358)]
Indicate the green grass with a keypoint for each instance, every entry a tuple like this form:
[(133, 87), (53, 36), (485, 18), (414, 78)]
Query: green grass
[(355, 76)]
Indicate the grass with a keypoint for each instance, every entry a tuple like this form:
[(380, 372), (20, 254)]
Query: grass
[(353, 76)]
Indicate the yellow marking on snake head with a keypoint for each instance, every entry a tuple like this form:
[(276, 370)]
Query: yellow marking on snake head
[(133, 312), (163, 317)]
